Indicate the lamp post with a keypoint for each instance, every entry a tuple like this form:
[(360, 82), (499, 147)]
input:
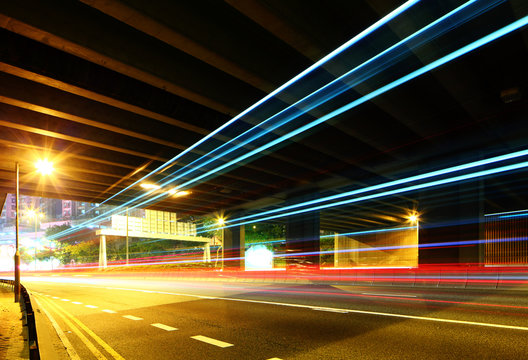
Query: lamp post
[(35, 215), (221, 222), (45, 168), (17, 253)]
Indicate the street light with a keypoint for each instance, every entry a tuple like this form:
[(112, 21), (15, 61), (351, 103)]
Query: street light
[(44, 167), (221, 221), (34, 214)]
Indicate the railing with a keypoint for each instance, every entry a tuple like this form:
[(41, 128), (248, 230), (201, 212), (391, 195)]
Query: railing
[(30, 319)]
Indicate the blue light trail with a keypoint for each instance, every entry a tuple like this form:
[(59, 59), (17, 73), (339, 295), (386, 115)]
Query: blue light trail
[(464, 50), (381, 22), (345, 82)]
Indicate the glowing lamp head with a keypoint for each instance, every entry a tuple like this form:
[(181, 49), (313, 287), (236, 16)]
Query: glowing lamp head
[(44, 167), (413, 218), (31, 213), (220, 221), (149, 186)]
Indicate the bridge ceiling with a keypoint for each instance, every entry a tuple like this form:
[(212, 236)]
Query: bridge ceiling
[(111, 90)]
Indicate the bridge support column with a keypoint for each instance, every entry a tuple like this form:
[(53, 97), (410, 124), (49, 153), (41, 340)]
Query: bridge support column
[(102, 252), (302, 237), (207, 253), (234, 248)]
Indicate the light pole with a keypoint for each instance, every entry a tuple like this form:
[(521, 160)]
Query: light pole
[(221, 222), (45, 168), (35, 215), (17, 253)]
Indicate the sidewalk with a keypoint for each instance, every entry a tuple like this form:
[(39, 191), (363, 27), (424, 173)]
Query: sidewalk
[(13, 333)]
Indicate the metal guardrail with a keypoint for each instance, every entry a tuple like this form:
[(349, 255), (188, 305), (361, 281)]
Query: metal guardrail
[(29, 314)]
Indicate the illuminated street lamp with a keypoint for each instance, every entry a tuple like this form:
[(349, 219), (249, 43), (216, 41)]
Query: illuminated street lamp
[(44, 167), (220, 222), (34, 214), (415, 219)]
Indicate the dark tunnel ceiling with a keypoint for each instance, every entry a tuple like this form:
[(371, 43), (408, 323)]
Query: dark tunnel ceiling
[(114, 89)]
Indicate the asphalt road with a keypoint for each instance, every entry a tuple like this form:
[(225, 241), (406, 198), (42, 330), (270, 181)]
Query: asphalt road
[(163, 319)]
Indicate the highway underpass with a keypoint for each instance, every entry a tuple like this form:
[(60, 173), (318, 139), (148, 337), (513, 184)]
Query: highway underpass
[(156, 317), (373, 152)]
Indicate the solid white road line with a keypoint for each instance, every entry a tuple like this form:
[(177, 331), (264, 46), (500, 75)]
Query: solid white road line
[(164, 327), (401, 295), (211, 341), (330, 310), (132, 317), (91, 306), (108, 311)]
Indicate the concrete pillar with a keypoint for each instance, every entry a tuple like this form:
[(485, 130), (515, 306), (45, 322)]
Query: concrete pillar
[(234, 247), (336, 250), (450, 216), (207, 253), (303, 237), (102, 252)]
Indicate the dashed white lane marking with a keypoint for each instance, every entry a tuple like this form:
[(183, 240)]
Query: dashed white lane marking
[(211, 341), (132, 317), (81, 275), (65, 300), (341, 311), (55, 297), (109, 311), (400, 295), (274, 359), (47, 295), (164, 327), (375, 313), (76, 302), (91, 306)]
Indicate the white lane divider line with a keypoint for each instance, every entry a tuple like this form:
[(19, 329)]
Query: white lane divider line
[(274, 359), (65, 300), (132, 317), (211, 341), (375, 313), (400, 295), (108, 311), (55, 297), (164, 327), (340, 311), (91, 306), (76, 302)]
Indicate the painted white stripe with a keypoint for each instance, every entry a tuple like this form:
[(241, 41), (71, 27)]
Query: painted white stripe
[(132, 317), (403, 316), (274, 359), (55, 297), (211, 341), (330, 310), (401, 295), (164, 327), (91, 306), (76, 302), (109, 311), (81, 275), (65, 300)]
